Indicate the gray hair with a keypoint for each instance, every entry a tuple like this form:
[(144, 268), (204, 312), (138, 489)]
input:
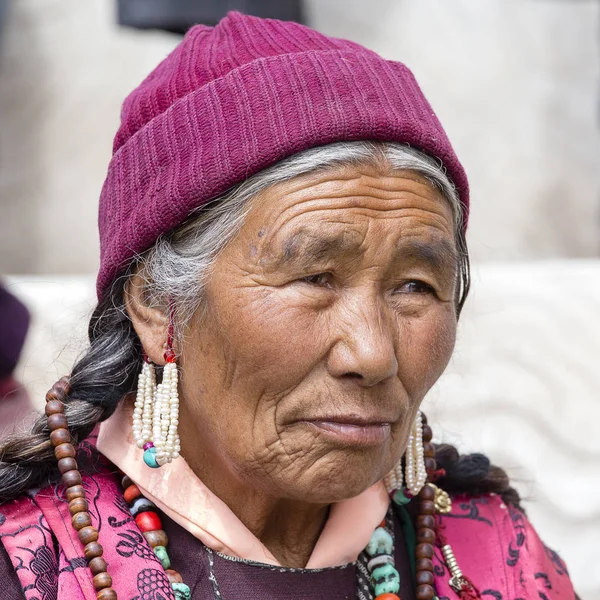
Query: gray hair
[(175, 271)]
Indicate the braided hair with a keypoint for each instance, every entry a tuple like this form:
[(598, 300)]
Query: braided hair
[(98, 381)]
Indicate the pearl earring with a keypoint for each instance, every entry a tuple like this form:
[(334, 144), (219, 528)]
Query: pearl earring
[(156, 413), (416, 474), (414, 458)]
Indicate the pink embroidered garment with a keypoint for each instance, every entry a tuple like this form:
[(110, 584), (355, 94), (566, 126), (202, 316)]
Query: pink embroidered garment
[(494, 544)]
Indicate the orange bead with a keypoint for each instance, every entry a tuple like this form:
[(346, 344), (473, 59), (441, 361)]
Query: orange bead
[(387, 597), (131, 493)]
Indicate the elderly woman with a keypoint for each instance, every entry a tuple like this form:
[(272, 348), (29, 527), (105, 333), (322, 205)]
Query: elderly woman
[(283, 263)]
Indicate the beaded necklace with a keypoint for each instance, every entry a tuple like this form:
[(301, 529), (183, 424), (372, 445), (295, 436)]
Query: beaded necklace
[(384, 577)]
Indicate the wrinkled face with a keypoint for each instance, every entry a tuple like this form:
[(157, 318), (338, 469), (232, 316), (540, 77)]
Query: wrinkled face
[(326, 322)]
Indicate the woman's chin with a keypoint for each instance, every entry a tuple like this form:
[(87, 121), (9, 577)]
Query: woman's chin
[(333, 484)]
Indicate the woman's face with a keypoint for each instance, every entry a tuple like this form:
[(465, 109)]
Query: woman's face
[(326, 321)]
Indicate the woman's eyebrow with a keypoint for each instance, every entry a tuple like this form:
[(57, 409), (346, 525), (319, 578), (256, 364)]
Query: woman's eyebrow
[(307, 248), (304, 247), (440, 254)]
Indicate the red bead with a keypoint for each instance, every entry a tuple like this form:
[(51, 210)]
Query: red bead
[(148, 521), (131, 493), (387, 597)]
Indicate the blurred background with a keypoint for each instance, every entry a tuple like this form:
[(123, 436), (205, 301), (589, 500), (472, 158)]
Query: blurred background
[(516, 84)]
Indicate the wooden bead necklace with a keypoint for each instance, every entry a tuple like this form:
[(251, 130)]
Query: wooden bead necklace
[(75, 494), (384, 577)]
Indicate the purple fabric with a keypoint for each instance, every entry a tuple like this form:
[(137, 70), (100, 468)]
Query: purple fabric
[(14, 322), (234, 99)]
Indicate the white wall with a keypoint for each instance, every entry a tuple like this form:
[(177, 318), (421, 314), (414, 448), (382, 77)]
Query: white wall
[(515, 83)]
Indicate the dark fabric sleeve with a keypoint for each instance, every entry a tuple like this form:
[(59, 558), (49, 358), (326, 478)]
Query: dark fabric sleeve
[(11, 586)]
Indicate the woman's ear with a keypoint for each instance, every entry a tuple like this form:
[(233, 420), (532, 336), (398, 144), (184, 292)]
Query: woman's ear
[(151, 324)]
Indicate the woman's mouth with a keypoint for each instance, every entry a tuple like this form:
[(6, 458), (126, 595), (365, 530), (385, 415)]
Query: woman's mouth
[(353, 432)]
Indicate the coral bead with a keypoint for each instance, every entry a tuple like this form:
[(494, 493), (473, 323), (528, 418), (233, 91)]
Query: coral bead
[(131, 493), (148, 521), (387, 597)]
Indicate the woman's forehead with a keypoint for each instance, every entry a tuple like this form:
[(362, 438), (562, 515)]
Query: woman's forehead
[(346, 192)]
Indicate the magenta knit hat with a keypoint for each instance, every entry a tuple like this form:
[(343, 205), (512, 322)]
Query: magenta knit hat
[(234, 99)]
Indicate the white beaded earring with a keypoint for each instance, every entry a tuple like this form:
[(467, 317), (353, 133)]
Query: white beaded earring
[(414, 459), (416, 474), (156, 411), (144, 405)]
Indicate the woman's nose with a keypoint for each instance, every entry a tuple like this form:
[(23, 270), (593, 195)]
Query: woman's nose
[(364, 347)]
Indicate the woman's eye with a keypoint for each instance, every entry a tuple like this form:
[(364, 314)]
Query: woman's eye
[(415, 287), (323, 279)]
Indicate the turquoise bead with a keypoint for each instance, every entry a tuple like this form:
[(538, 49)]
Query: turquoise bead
[(386, 580), (381, 543), (400, 498), (161, 554), (150, 458), (182, 591)]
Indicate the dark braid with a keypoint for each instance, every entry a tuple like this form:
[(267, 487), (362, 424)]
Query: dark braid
[(98, 382), (473, 474)]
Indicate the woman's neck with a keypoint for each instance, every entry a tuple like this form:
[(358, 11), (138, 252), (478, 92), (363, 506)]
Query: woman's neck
[(289, 529)]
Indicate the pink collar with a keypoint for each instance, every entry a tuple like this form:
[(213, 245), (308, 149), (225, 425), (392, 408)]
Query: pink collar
[(178, 492)]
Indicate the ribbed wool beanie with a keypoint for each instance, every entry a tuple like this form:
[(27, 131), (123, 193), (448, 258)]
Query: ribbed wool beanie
[(234, 99)]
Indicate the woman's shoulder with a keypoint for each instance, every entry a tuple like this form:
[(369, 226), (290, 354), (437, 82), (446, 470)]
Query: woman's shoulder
[(496, 546)]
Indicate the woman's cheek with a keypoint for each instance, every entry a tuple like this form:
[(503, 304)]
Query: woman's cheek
[(426, 345)]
